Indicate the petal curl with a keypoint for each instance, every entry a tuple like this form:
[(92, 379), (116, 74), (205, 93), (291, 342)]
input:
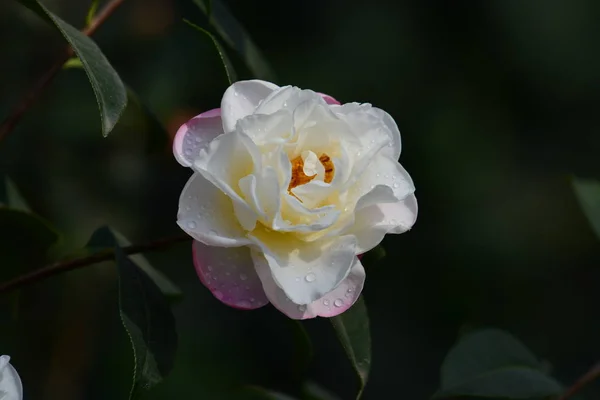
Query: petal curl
[(230, 276), (328, 99), (241, 99), (305, 271), (372, 223), (206, 214), (195, 135), (333, 303)]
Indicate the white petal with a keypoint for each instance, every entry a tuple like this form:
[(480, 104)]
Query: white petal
[(372, 124), (11, 387), (241, 99), (276, 128), (372, 223), (229, 274), (288, 98), (207, 215), (229, 158), (384, 171), (333, 303), (195, 135), (305, 271)]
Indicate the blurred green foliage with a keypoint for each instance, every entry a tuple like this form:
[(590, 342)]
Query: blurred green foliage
[(497, 105)]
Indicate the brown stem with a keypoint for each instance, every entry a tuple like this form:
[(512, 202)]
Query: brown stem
[(587, 378), (69, 265), (30, 98)]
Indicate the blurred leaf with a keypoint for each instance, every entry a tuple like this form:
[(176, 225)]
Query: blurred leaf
[(352, 329), (303, 351), (11, 197), (231, 75), (104, 238), (588, 194), (312, 391), (373, 256), (108, 88), (92, 12), (492, 363), (149, 322), (237, 38), (73, 62), (259, 393)]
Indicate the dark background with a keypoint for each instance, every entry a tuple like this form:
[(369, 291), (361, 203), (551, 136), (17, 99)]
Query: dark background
[(497, 103)]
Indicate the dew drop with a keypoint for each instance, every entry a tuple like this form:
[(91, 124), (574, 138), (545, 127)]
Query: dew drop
[(243, 304), (302, 308), (390, 144), (297, 279), (236, 94), (243, 277), (326, 303), (210, 267), (214, 278), (350, 290), (394, 177), (338, 302), (378, 175), (212, 232), (395, 185), (198, 139), (310, 277), (188, 151), (191, 225), (348, 295), (387, 176)]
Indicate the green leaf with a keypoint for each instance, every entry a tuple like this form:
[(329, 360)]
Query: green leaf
[(588, 194), (11, 197), (92, 12), (312, 391), (108, 88), (231, 75), (352, 329), (149, 322), (73, 62), (493, 363), (104, 238), (237, 38)]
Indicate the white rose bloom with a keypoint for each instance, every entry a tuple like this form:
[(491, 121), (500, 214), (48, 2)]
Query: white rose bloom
[(288, 188), (10, 382)]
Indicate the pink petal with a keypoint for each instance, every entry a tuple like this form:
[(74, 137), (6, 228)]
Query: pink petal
[(196, 134), (229, 274), (328, 99)]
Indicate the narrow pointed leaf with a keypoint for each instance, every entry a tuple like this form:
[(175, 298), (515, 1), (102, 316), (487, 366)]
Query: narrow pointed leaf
[(237, 38), (352, 329), (108, 87), (588, 194), (149, 322), (231, 75)]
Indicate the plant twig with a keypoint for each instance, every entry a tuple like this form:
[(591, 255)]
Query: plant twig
[(30, 98), (587, 378), (104, 255)]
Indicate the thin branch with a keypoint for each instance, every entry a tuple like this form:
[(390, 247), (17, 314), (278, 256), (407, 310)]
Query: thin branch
[(587, 378), (30, 98), (104, 255)]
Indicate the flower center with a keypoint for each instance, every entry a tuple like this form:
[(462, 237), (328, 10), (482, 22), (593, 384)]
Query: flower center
[(306, 167)]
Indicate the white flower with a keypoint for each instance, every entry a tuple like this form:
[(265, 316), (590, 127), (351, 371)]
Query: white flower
[(10, 382), (288, 188)]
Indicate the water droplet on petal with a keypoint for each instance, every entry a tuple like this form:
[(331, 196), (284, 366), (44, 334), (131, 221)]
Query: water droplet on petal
[(326, 303), (191, 225), (218, 294), (243, 277), (297, 279), (310, 277), (378, 175), (198, 139), (387, 176), (236, 94), (338, 302), (209, 267), (348, 295), (212, 232), (302, 308), (350, 290), (243, 304), (214, 278), (396, 185)]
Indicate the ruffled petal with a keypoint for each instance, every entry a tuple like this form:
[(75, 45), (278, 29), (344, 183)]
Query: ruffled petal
[(206, 214), (241, 99)]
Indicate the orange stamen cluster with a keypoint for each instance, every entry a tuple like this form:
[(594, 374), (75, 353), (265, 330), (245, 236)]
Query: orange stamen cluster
[(300, 178)]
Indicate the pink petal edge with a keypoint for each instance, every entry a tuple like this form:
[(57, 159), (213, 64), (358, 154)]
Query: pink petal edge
[(328, 99), (233, 285), (178, 140)]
